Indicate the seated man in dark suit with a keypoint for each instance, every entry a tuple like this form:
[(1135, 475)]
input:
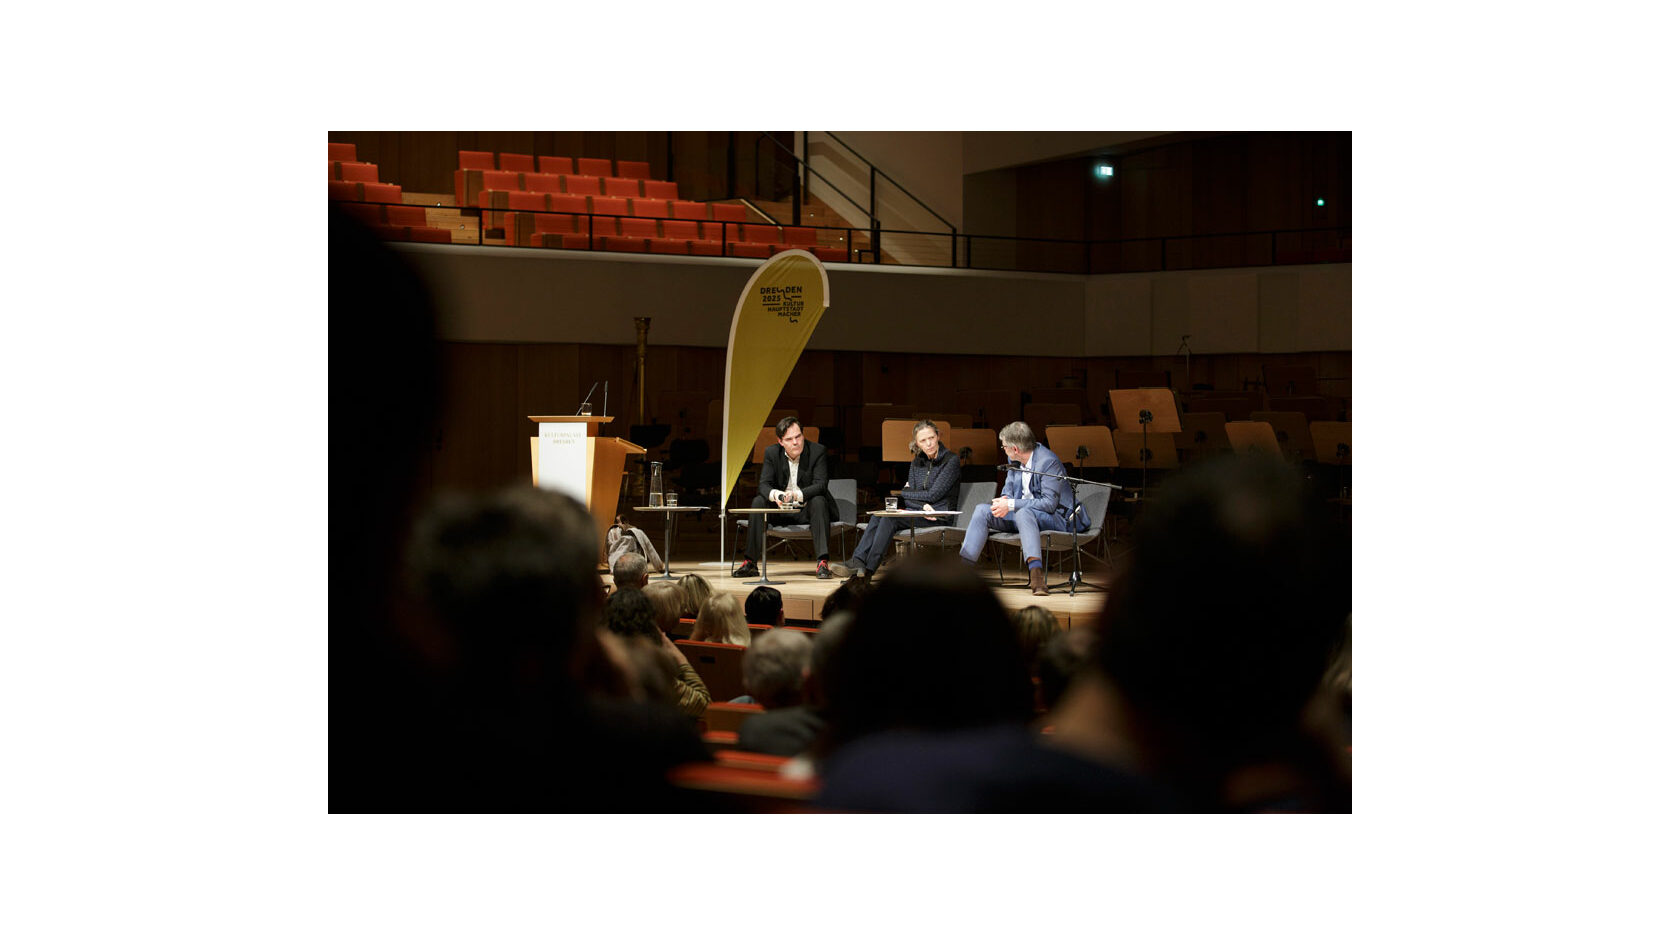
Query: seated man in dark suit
[(795, 476)]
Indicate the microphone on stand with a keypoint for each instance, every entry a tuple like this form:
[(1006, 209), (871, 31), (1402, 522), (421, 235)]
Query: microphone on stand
[(1145, 416), (1012, 464), (965, 454)]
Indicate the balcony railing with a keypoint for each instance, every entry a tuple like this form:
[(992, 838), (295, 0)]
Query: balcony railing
[(481, 226)]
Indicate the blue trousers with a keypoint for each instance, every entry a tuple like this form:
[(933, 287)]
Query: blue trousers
[(1022, 521)]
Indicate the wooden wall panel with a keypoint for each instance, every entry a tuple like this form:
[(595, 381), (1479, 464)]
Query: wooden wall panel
[(1214, 184), (494, 387), (484, 443)]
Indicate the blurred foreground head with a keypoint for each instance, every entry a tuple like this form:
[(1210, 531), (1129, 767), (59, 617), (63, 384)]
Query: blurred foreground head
[(510, 577), (1220, 630), (930, 649)]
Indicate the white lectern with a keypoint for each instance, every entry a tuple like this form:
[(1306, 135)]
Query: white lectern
[(568, 455)]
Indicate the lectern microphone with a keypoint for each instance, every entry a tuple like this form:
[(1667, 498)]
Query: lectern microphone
[(583, 408)]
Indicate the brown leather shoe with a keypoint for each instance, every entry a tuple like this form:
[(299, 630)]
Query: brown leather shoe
[(1035, 580)]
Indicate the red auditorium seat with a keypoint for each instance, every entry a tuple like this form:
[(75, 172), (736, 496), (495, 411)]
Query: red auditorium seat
[(621, 187), (755, 250), (719, 666), (681, 229), (343, 190), (661, 189), (515, 162), (533, 229), (638, 226), (562, 241), (554, 223), (637, 169), (357, 171), (759, 233), (390, 231), (622, 244), (582, 184), (751, 791), (802, 237), (667, 245), (727, 716), (714, 232), (428, 234), (733, 212), (643, 207), (501, 180), (595, 167), (548, 164), (405, 215), (343, 152), (477, 160), (705, 248), (547, 183), (568, 203), (381, 193), (527, 200), (611, 206), (688, 210)]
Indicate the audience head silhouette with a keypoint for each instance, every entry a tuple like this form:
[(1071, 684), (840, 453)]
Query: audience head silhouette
[(930, 649), (764, 607)]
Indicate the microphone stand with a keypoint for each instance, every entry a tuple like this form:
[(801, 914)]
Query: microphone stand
[(1073, 521), (582, 411), (1144, 417)]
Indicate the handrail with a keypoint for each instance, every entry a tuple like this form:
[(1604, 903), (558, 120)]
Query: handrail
[(759, 210), (811, 170), (889, 177), (876, 232)]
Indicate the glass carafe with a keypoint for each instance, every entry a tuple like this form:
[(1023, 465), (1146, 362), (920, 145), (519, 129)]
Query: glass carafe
[(656, 483)]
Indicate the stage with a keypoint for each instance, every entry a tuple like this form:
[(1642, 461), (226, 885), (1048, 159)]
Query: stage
[(803, 592)]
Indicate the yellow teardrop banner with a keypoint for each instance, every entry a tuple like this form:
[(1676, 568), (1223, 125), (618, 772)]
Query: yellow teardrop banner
[(774, 318)]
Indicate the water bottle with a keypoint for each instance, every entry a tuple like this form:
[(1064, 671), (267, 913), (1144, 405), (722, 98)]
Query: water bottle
[(656, 483)]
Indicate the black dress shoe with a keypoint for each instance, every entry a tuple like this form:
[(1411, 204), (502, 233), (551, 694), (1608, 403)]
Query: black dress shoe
[(747, 569), (824, 571)]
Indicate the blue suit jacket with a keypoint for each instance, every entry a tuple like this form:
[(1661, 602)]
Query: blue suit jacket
[(1051, 497)]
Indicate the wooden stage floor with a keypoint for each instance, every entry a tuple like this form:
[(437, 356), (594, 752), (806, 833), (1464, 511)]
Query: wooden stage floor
[(803, 592)]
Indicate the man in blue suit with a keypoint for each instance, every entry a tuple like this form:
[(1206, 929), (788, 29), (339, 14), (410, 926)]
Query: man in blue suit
[(1030, 503)]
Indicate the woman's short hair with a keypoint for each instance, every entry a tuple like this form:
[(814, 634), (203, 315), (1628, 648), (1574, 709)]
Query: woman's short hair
[(667, 601), (695, 592), (721, 621)]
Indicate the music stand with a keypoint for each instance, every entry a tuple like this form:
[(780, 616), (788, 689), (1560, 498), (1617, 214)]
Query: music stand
[(1203, 434), (1333, 442), (1253, 435), (1140, 410), (1066, 442), (1136, 451), (896, 432), (981, 441), (1291, 429)]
